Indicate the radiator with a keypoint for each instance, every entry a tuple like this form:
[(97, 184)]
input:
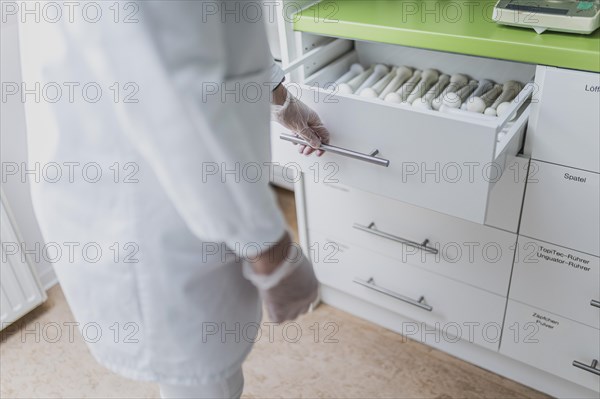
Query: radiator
[(20, 289)]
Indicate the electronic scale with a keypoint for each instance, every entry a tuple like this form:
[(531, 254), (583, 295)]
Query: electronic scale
[(575, 16)]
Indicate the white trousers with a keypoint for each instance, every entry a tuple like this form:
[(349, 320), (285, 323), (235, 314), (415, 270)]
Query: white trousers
[(232, 388)]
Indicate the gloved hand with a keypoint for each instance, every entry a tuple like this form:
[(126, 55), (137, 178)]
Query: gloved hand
[(290, 289), (302, 120)]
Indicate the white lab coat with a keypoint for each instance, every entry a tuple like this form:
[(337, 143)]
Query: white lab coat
[(150, 303)]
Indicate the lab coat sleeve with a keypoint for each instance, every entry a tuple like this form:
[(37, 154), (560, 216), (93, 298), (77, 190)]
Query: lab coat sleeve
[(202, 120), (277, 76)]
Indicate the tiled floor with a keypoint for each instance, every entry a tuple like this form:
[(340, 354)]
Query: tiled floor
[(360, 360)]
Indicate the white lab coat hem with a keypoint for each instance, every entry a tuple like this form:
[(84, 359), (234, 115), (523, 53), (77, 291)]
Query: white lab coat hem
[(133, 372), (126, 369)]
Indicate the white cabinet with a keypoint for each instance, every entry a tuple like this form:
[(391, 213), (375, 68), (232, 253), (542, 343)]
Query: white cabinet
[(555, 285), (562, 207), (552, 343), (410, 228)]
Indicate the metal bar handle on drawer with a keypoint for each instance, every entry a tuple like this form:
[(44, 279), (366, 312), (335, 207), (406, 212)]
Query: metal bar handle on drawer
[(341, 151), (422, 246), (593, 368), (371, 285), (595, 303)]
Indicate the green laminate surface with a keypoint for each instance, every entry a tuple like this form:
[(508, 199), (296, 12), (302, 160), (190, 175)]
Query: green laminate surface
[(464, 27)]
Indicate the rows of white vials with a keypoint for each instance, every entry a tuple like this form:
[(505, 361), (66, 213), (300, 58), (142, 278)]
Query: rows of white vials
[(428, 88)]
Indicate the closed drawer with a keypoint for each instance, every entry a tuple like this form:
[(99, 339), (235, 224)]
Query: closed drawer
[(469, 252), (565, 122), (557, 279), (561, 207), (456, 309), (446, 162), (551, 343)]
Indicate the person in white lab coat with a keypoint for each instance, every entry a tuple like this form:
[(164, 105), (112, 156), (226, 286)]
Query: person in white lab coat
[(147, 186)]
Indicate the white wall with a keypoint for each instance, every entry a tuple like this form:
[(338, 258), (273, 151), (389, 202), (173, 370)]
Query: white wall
[(13, 148)]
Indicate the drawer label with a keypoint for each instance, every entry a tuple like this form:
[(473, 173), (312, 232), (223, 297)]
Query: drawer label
[(544, 321), (574, 178), (527, 331), (573, 261), (592, 88)]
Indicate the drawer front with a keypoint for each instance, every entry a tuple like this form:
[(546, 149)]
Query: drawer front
[(561, 207), (565, 122), (551, 343), (457, 310), (438, 161), (506, 197), (469, 252), (557, 279)]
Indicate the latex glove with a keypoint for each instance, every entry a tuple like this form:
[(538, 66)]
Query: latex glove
[(302, 120), (290, 289)]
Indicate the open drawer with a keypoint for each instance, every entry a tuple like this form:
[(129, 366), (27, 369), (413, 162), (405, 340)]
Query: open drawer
[(447, 162)]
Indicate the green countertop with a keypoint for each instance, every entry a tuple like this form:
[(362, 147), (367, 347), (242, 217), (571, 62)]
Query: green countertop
[(464, 27)]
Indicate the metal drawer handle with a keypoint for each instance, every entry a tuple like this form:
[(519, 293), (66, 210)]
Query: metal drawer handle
[(595, 303), (370, 283), (593, 368), (341, 151), (371, 229)]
